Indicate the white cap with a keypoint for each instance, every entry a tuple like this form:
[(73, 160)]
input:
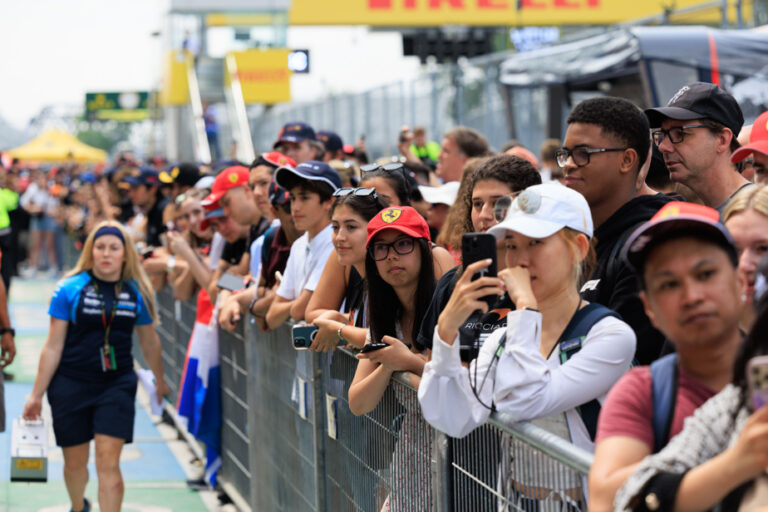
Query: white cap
[(543, 210), (445, 194), (205, 182)]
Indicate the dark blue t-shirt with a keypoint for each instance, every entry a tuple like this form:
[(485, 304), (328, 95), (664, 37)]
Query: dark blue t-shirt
[(76, 301)]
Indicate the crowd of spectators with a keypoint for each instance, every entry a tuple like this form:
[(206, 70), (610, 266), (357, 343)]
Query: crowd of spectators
[(635, 241)]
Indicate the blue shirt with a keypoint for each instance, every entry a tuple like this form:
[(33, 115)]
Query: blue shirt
[(76, 301)]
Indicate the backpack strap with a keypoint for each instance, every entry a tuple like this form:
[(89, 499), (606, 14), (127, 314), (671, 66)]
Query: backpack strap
[(664, 377), (570, 343), (269, 236)]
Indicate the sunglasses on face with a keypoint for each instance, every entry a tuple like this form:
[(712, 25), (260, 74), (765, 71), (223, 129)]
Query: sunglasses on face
[(359, 191), (379, 250), (580, 155)]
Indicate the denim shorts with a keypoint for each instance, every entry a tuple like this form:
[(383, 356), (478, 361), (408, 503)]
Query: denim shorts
[(81, 409)]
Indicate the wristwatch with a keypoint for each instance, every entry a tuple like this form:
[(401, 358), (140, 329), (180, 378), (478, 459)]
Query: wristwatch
[(5, 330), (341, 336)]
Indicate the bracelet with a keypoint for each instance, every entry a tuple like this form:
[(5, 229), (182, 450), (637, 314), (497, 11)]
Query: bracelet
[(341, 336), (253, 301), (171, 263)]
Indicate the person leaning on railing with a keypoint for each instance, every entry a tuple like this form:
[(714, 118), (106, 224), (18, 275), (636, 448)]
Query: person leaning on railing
[(523, 369), (720, 457), (399, 268), (686, 264), (337, 306)]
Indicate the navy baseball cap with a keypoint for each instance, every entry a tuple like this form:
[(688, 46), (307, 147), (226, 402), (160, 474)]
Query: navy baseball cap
[(330, 140), (700, 100), (278, 195), (289, 177), (295, 132), (142, 176)]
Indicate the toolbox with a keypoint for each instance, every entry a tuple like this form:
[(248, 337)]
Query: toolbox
[(29, 451)]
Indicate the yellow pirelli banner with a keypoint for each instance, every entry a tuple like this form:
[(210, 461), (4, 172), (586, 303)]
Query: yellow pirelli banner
[(175, 84), (496, 12), (263, 74)]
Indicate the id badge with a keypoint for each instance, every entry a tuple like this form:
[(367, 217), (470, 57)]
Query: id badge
[(108, 363)]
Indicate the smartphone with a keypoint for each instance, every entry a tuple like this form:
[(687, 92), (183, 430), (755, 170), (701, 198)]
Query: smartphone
[(372, 347), (147, 252), (231, 282), (303, 336), (476, 247), (757, 380)]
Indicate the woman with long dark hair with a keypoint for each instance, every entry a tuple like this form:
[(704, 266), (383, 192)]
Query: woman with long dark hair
[(401, 279)]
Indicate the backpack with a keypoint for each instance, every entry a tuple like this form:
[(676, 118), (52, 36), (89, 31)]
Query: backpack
[(570, 344), (664, 380)]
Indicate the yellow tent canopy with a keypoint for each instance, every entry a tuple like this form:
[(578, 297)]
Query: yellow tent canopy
[(58, 146)]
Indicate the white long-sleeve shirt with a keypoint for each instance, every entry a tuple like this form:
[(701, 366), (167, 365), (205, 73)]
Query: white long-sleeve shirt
[(523, 383)]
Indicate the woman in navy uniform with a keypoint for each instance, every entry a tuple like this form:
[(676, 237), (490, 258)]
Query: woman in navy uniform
[(87, 367)]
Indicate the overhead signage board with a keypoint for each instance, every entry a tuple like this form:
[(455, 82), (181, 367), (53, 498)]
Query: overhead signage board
[(206, 6), (117, 106), (264, 75), (428, 13)]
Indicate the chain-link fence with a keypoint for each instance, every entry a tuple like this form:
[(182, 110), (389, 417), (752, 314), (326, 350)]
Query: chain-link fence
[(290, 442), (467, 94)]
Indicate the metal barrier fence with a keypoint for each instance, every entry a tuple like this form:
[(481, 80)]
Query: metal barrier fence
[(467, 94), (290, 442)]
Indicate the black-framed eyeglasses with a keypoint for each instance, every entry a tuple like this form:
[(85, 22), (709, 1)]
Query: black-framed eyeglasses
[(580, 154), (676, 134), (379, 250), (359, 191)]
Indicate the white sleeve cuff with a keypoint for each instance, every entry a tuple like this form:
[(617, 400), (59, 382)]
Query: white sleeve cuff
[(445, 358)]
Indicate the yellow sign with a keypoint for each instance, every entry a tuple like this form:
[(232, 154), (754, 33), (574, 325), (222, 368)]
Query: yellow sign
[(494, 12), (264, 75), (175, 87), (29, 464)]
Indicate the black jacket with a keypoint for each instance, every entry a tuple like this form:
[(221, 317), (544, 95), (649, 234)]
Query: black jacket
[(614, 284)]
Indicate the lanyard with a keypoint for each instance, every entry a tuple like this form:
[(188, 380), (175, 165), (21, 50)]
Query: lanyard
[(107, 326)]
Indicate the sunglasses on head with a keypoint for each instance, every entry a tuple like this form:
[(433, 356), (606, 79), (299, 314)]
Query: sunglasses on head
[(359, 191), (393, 167)]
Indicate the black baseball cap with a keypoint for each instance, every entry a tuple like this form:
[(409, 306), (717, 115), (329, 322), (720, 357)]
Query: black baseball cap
[(185, 174), (700, 100)]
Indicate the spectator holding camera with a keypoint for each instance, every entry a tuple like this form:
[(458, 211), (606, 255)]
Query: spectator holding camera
[(558, 356), (686, 264), (492, 186)]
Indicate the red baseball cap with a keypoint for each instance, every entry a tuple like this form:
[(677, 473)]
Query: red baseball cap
[(401, 218), (229, 178), (677, 219), (758, 139), (274, 159)]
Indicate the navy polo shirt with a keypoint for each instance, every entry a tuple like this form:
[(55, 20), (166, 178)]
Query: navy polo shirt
[(76, 301)]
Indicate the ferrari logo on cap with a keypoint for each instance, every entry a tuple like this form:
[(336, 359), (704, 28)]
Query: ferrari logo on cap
[(391, 215), (175, 172), (232, 178), (671, 211)]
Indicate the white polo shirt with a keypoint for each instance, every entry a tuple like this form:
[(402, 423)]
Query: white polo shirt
[(305, 264)]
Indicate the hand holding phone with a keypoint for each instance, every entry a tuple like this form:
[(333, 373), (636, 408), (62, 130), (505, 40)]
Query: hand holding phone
[(372, 347), (477, 247), (303, 336)]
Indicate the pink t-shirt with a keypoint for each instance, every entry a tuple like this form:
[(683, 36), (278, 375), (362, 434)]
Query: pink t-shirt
[(628, 408)]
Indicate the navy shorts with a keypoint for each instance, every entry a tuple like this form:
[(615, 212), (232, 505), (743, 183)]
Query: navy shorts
[(81, 409)]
